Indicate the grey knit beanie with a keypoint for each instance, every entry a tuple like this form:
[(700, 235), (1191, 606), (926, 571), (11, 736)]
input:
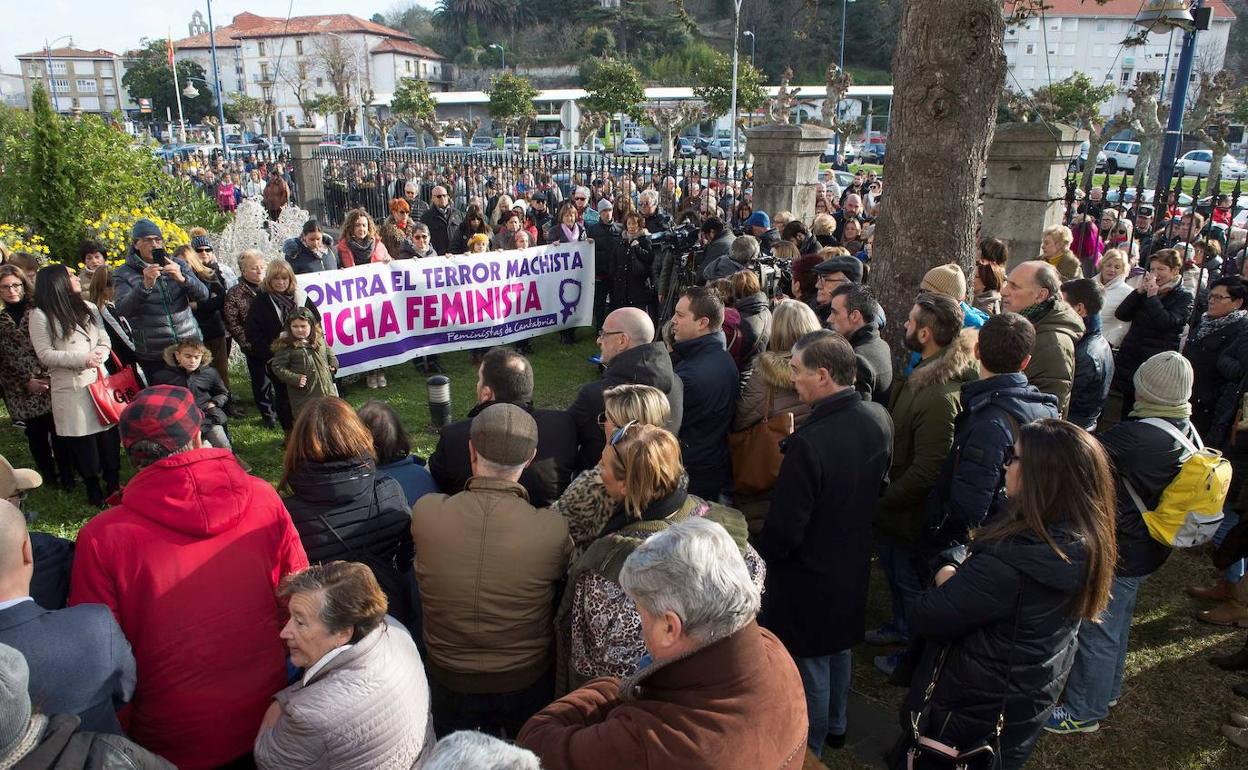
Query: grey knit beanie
[(17, 733), (1165, 379), (143, 228)]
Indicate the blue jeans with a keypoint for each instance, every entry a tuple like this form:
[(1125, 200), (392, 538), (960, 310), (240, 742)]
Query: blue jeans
[(826, 682), (1096, 677), (903, 582), (1235, 572)]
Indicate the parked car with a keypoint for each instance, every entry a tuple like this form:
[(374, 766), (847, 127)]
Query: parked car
[(548, 145), (722, 149), (700, 143), (1197, 163), (483, 142), (1121, 156), (633, 146), (848, 152), (685, 147), (594, 145), (513, 143)]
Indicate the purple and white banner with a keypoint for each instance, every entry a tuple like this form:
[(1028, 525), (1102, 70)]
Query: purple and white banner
[(382, 314)]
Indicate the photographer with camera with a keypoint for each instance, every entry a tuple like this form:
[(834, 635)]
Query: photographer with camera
[(716, 239)]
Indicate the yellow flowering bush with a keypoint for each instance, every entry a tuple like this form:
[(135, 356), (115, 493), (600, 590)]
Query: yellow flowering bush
[(112, 228), (17, 238)]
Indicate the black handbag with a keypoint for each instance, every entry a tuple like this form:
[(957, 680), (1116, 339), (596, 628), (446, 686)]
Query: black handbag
[(393, 580), (928, 753)]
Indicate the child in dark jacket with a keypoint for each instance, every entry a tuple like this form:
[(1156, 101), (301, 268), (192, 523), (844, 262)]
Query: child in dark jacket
[(302, 360), (188, 365)]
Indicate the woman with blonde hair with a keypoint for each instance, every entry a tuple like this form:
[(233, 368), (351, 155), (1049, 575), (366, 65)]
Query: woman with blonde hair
[(280, 294), (769, 391), (202, 258), (479, 243), (1112, 277), (598, 629), (585, 504), (1055, 249)]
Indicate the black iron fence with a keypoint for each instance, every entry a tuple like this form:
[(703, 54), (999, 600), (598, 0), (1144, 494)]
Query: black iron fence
[(1127, 193), (369, 178)]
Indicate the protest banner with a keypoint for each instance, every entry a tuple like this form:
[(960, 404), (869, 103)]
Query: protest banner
[(381, 314)]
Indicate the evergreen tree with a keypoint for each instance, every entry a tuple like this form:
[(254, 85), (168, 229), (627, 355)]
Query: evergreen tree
[(51, 200)]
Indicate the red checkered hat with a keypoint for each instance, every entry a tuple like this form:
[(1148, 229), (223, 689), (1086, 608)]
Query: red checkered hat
[(165, 415)]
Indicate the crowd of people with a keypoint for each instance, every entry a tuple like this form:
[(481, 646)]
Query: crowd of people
[(673, 570)]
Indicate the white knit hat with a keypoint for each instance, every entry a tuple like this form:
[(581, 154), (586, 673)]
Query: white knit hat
[(1165, 379)]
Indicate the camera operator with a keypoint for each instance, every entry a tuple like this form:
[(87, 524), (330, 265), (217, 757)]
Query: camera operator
[(716, 239), (656, 219), (742, 256)]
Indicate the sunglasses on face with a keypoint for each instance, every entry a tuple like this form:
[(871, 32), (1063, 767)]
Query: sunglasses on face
[(204, 250)]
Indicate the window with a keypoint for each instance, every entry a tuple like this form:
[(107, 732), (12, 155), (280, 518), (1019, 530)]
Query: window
[(261, 44), (1098, 51), (106, 69), (1052, 49), (1029, 73), (109, 88), (1126, 78), (408, 64), (59, 68), (110, 103), (1055, 24), (1033, 23), (1100, 25), (60, 86), (264, 70), (302, 69), (83, 84), (1072, 25), (84, 67), (35, 71), (424, 69), (1068, 49), (299, 48), (1030, 49)]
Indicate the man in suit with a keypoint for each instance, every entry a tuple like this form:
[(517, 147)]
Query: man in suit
[(80, 662)]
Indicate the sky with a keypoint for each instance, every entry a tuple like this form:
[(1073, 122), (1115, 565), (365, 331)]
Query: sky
[(117, 25)]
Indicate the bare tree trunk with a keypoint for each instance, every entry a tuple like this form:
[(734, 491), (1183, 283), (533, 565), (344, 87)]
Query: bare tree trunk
[(944, 109), (1219, 150)]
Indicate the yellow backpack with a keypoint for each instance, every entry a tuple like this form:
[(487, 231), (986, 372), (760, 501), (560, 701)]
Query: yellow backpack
[(1190, 509)]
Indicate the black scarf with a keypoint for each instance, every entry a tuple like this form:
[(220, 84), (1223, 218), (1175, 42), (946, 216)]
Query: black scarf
[(361, 250), (656, 510)]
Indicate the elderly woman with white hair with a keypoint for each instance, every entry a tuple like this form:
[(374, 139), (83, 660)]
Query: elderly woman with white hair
[(471, 750), (715, 690), (1055, 249)]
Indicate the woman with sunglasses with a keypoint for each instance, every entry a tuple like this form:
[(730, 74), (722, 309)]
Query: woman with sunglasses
[(1001, 623), (598, 629)]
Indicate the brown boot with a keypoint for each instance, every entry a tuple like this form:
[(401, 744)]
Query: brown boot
[(1228, 613), (1218, 592), (1236, 735)]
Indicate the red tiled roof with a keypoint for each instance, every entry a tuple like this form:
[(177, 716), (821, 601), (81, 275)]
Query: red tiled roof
[(390, 45), (69, 53), (225, 35), (1118, 8), (315, 25)]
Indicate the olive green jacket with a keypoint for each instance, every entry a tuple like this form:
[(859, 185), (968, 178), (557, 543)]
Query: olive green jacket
[(318, 364), (1052, 367)]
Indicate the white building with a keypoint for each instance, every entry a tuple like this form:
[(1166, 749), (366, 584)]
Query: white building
[(77, 80), (271, 58), (1074, 36)]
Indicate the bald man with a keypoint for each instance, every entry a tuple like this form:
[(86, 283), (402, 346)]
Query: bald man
[(630, 355), (80, 663)]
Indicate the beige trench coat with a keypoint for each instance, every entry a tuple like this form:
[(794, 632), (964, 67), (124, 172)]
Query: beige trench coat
[(73, 411)]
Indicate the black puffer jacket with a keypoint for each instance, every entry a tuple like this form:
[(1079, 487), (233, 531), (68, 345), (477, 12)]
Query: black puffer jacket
[(207, 312), (159, 316), (1156, 326), (643, 365), (1213, 375), (755, 327), (1094, 369), (1006, 619), (709, 376), (875, 354), (545, 478), (1149, 458), (368, 511), (631, 272), (1233, 365)]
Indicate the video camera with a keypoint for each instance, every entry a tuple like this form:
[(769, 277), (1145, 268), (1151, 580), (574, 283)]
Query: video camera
[(683, 238)]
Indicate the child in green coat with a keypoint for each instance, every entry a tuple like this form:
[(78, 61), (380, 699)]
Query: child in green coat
[(302, 360)]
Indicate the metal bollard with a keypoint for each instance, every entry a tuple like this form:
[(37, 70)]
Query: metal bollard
[(439, 387)]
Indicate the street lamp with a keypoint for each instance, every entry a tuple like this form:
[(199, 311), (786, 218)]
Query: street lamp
[(836, 147), (732, 112), (47, 55), (216, 78), (502, 54), (750, 34), (1165, 16)]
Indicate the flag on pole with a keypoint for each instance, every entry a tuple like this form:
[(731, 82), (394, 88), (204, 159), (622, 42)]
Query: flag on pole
[(170, 45)]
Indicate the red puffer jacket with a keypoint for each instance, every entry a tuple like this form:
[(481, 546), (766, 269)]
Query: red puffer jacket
[(189, 563)]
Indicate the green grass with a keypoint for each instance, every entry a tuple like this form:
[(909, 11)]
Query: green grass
[(558, 370), (1173, 700)]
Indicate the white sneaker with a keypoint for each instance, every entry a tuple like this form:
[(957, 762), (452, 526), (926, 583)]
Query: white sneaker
[(372, 381)]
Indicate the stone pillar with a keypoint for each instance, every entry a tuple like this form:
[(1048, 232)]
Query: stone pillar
[(786, 166), (1026, 190), (305, 170)]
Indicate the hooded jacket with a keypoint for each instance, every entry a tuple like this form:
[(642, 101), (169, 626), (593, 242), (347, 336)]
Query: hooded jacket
[(1094, 370), (1005, 619), (205, 384), (161, 315), (755, 327), (648, 364), (923, 406), (189, 563), (971, 488), (1052, 367)]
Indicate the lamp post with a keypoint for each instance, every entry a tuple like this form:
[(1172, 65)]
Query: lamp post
[(47, 56), (216, 79), (836, 147), (1165, 16), (750, 34), (732, 111), (502, 54)]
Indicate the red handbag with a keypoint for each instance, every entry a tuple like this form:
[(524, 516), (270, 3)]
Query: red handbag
[(111, 392)]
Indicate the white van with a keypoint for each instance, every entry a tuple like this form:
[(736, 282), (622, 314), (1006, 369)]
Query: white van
[(1121, 156)]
